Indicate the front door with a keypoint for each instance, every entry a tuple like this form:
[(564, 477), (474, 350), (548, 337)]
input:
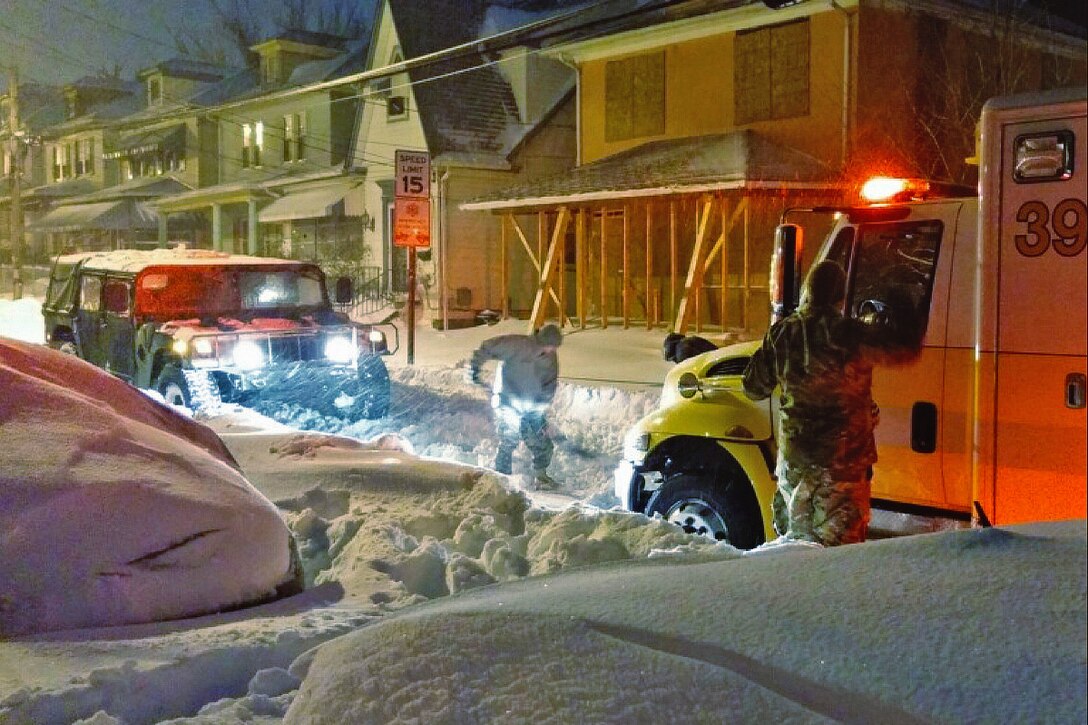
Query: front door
[(899, 268), (89, 322), (118, 327)]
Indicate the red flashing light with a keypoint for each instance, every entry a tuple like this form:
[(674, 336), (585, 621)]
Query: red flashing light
[(884, 189)]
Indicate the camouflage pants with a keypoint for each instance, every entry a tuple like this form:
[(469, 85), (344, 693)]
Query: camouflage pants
[(513, 427), (810, 505)]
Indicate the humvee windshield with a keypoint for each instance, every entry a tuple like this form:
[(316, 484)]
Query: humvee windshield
[(204, 291)]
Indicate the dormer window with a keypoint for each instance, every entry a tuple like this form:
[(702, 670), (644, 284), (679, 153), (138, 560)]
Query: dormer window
[(154, 91), (270, 69)]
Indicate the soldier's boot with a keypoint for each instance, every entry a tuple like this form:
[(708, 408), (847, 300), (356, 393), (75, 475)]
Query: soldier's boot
[(504, 461), (544, 482)]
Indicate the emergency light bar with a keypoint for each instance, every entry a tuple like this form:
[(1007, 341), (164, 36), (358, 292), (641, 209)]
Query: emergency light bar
[(884, 189)]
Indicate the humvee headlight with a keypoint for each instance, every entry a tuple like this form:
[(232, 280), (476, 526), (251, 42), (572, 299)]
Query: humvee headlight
[(203, 346), (339, 350), (687, 385), (180, 347), (248, 355)]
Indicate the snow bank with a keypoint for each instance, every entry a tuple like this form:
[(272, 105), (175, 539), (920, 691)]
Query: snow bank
[(395, 529), (968, 626), (115, 510)]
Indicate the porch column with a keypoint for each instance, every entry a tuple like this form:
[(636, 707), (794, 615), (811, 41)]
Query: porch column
[(217, 227), (162, 229), (251, 228)]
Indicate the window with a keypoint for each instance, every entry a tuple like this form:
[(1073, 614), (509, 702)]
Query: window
[(634, 97), (893, 271), (8, 166), (154, 91), (62, 162), (294, 137), (252, 143), (396, 107), (85, 157), (117, 295), (90, 294), (270, 69), (771, 73)]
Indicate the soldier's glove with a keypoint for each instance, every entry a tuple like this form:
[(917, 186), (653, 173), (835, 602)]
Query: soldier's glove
[(473, 377)]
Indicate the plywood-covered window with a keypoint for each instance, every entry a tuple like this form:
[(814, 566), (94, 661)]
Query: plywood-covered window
[(634, 97), (771, 72)]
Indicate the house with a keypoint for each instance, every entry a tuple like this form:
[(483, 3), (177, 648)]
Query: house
[(280, 179), (39, 106), (70, 165), (488, 118), (700, 123)]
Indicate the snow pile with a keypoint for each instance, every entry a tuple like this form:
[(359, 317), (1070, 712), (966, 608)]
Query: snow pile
[(393, 529), (967, 626), (114, 509), (22, 320)]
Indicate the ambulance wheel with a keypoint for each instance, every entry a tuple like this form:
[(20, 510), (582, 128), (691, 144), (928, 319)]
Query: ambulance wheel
[(720, 510)]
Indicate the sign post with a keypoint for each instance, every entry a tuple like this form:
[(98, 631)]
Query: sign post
[(412, 222)]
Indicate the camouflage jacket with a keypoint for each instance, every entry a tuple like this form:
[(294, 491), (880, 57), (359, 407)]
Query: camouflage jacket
[(826, 415), (527, 373)]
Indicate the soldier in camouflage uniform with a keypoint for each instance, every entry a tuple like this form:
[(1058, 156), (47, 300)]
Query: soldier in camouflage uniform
[(524, 386), (824, 364)]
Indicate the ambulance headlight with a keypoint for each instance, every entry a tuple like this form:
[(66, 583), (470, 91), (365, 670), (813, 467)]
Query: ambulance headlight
[(339, 350), (248, 355)]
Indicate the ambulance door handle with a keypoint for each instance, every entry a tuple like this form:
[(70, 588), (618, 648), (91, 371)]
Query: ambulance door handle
[(923, 427), (1074, 390)]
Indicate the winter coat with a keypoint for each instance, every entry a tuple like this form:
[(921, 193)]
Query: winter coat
[(526, 375), (826, 416)]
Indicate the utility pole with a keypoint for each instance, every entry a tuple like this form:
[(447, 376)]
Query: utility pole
[(15, 143)]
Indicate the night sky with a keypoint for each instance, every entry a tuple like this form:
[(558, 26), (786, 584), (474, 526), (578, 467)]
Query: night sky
[(58, 41)]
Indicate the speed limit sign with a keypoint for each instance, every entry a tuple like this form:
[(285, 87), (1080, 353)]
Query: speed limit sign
[(413, 179)]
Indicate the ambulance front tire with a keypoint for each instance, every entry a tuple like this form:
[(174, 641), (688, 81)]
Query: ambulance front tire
[(723, 510)]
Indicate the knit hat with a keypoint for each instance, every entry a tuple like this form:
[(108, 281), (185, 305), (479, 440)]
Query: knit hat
[(825, 285), (549, 336)]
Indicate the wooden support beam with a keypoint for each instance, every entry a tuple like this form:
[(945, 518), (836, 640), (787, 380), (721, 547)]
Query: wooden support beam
[(547, 275), (580, 267), (651, 307), (626, 268), (674, 258), (695, 271), (525, 243), (604, 274), (723, 267), (504, 265)]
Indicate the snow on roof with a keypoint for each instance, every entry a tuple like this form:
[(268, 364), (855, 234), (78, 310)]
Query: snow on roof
[(136, 260)]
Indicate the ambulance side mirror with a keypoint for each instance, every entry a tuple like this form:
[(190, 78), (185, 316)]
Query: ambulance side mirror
[(786, 270)]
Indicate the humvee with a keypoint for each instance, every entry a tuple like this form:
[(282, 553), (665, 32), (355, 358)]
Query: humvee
[(201, 326)]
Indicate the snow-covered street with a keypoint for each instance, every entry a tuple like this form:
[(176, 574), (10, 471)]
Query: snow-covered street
[(403, 529)]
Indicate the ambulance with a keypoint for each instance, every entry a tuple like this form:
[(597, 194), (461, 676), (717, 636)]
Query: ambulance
[(988, 424)]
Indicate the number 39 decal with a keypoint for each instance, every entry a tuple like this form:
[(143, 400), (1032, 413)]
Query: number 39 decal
[(1069, 221)]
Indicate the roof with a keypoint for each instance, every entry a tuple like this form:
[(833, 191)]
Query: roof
[(144, 188), (196, 70), (741, 159), (134, 261), (102, 215), (467, 111)]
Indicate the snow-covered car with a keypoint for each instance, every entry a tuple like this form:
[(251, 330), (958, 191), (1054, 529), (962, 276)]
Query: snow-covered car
[(201, 326), (116, 509)]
